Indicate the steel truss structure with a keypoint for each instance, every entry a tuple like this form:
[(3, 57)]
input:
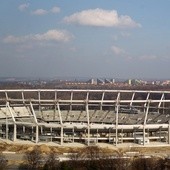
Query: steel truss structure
[(86, 116)]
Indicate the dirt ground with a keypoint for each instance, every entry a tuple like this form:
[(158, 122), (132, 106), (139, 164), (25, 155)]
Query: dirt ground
[(162, 151)]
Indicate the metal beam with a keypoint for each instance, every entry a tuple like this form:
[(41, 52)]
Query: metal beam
[(133, 95), (37, 134), (67, 102), (162, 97), (6, 95), (59, 112), (147, 98), (83, 90), (103, 94), (55, 108), (10, 111), (61, 136), (33, 112), (144, 123), (71, 99), (88, 124), (23, 99), (117, 118)]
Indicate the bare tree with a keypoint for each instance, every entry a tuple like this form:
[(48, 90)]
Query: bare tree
[(52, 162), (147, 164), (34, 159), (3, 162), (91, 156), (91, 153)]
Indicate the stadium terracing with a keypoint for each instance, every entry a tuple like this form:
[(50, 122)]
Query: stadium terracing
[(85, 116)]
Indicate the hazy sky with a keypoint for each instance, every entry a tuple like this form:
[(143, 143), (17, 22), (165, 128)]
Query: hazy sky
[(97, 38)]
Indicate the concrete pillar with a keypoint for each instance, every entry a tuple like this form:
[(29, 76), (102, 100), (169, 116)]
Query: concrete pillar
[(37, 134), (88, 121), (15, 132), (169, 133), (101, 105), (143, 135), (71, 98), (121, 135), (73, 134), (97, 135), (41, 128), (117, 111), (51, 131), (160, 134), (23, 129), (116, 138), (61, 136), (88, 135), (7, 128), (32, 132), (109, 135)]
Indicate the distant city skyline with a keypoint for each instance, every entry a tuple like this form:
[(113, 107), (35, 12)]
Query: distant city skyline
[(111, 39)]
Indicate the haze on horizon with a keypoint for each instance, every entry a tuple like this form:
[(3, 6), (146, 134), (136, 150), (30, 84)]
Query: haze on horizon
[(122, 39)]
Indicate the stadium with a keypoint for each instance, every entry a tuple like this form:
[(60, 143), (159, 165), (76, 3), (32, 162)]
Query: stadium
[(85, 116)]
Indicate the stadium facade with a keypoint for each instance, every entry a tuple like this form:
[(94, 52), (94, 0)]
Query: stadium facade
[(85, 116)]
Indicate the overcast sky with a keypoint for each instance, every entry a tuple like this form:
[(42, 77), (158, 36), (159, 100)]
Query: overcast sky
[(97, 38)]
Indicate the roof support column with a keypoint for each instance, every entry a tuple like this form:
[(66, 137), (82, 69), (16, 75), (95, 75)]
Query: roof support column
[(144, 123), (88, 124), (97, 135), (39, 100), (34, 115), (143, 135), (61, 123), (117, 112), (59, 112), (37, 134), (6, 95), (23, 99), (133, 95), (147, 98), (6, 127), (13, 118), (15, 132), (73, 134), (55, 108), (101, 104), (88, 120), (160, 131), (61, 136), (36, 124), (71, 99), (159, 105)]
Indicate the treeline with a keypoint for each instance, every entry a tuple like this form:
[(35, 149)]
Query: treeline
[(91, 158), (57, 85), (82, 95)]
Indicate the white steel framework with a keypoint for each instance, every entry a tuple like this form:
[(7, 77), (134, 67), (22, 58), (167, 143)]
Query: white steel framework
[(87, 116)]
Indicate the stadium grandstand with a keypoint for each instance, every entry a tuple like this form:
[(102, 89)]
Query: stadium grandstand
[(85, 116)]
